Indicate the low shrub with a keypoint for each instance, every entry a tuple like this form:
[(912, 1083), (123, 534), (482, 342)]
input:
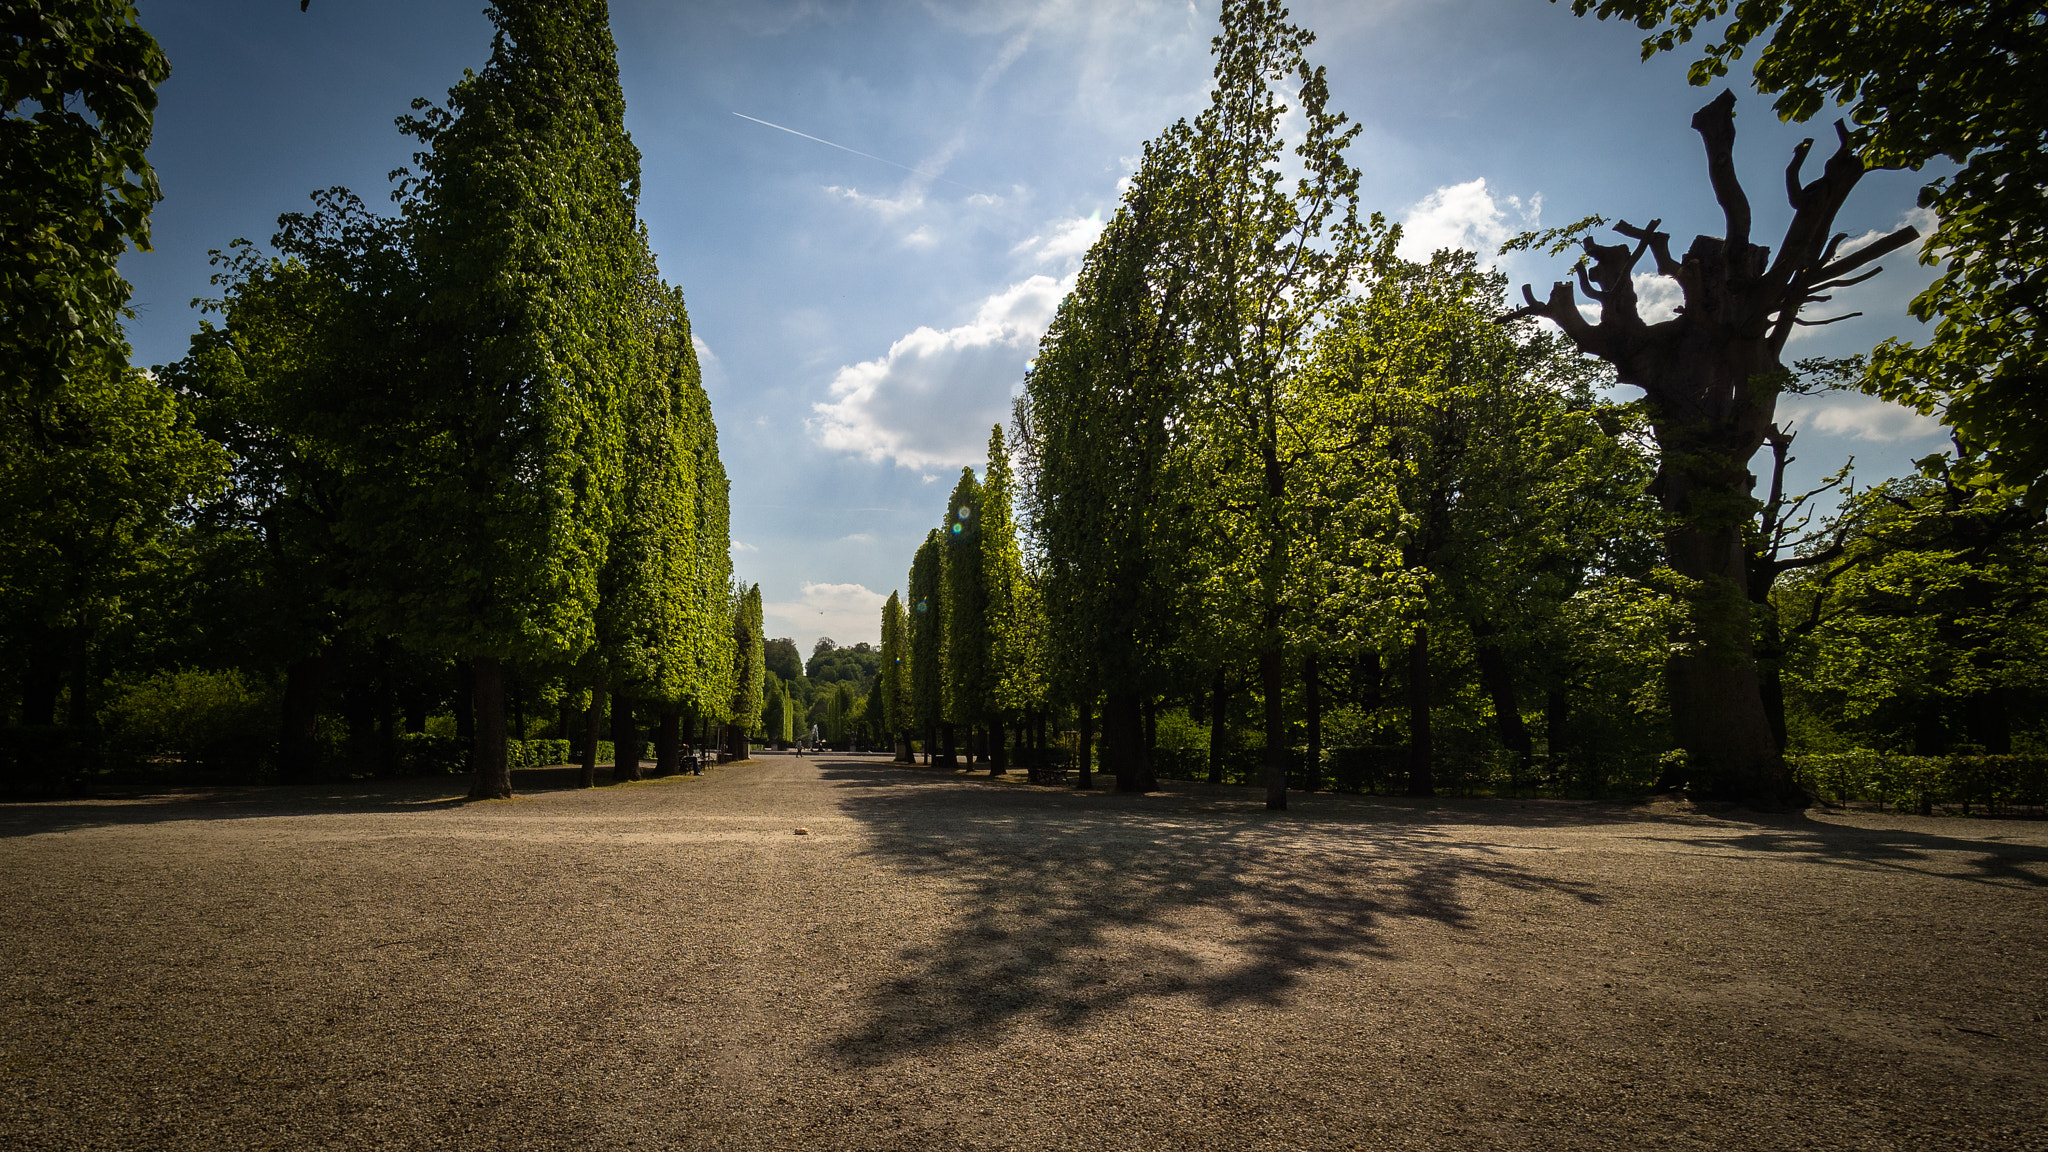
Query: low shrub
[(195, 718), (1921, 783)]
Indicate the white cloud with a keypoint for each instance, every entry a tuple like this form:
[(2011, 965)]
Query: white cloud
[(1463, 216), (857, 538), (737, 546), (848, 613), (1860, 418), (923, 237), (909, 200), (1066, 240), (1923, 219), (709, 367), (1657, 297), (931, 400)]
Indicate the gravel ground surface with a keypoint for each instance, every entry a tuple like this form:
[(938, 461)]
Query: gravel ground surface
[(945, 962)]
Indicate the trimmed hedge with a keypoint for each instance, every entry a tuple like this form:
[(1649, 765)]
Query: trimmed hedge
[(425, 754), (1920, 783)]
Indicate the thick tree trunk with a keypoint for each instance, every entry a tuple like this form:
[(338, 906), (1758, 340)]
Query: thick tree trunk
[(516, 701), (1499, 679), (625, 740), (1930, 734), (1084, 748), (1988, 720), (1557, 713), (41, 683), (998, 755), (1151, 709), (1312, 700), (415, 713), (668, 744), (1123, 741), (1273, 682), (1421, 749), (946, 756), (386, 703), (492, 777), (465, 711), (78, 666), (1219, 729), (1709, 376), (296, 747), (593, 731), (359, 719), (742, 748), (1717, 706)]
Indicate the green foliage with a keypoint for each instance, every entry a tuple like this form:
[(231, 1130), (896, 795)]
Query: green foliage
[(1928, 626), (778, 717), (90, 507), (894, 691), (1013, 667), (1921, 80), (78, 82), (927, 619), (494, 505), (197, 716), (858, 665), (1998, 783), (1093, 430), (659, 616), (783, 659), (966, 596), (749, 669)]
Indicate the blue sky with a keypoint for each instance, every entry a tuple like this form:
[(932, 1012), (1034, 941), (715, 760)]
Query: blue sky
[(861, 325)]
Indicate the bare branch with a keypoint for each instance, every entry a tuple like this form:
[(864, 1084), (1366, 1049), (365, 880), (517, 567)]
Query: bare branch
[(1586, 284), (1716, 125), (1869, 252), (1659, 242), (1829, 253), (1829, 320), (1804, 242), (1850, 282), (1793, 191)]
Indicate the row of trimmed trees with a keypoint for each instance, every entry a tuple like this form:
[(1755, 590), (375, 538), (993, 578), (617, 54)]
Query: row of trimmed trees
[(962, 665), (473, 432)]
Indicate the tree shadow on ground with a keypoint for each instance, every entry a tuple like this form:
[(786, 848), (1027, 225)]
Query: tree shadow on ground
[(142, 805), (1984, 859), (1076, 904)]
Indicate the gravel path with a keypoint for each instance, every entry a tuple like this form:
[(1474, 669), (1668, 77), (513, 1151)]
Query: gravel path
[(945, 962)]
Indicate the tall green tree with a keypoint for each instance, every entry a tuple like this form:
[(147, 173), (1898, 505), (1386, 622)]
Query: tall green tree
[(78, 82), (1922, 80), (1015, 671), (894, 692), (1927, 628), (927, 617), (1483, 489), (967, 621), (1098, 431), (496, 498), (90, 508), (652, 619), (749, 667), (1271, 260)]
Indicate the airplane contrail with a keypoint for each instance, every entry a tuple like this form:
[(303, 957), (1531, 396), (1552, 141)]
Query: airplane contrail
[(858, 152)]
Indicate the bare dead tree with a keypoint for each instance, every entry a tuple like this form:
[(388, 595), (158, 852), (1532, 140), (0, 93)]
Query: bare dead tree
[(1711, 377)]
